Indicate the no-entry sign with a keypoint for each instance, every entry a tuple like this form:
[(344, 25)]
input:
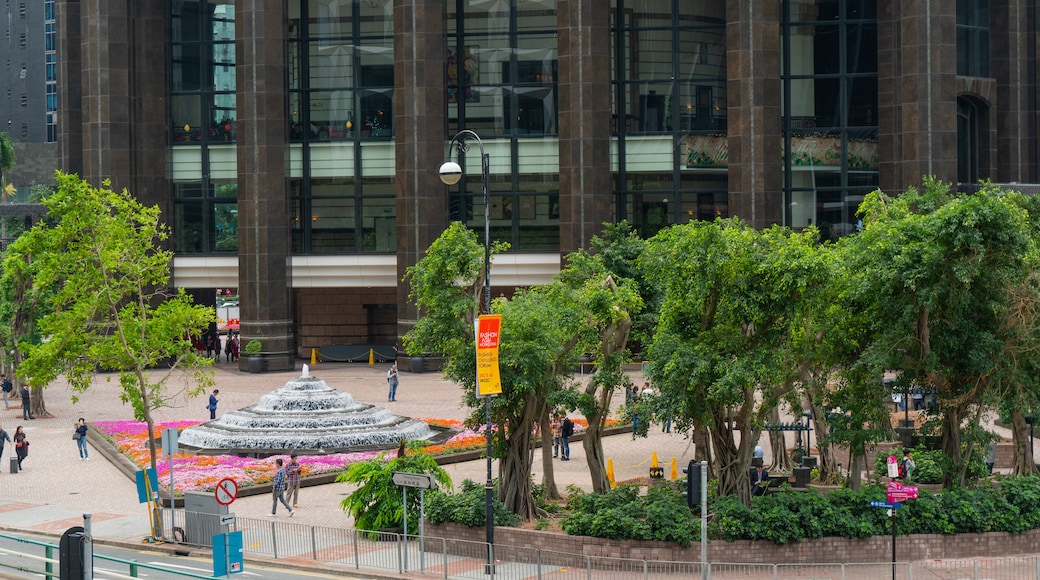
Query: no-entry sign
[(227, 491)]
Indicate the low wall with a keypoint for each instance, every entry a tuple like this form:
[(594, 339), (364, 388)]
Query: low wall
[(822, 551)]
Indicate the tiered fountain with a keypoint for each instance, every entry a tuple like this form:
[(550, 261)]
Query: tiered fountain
[(305, 416)]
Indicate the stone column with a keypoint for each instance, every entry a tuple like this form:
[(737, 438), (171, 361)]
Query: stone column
[(70, 67), (264, 213), (120, 109), (586, 196), (1013, 113), (421, 139), (917, 96), (753, 101)]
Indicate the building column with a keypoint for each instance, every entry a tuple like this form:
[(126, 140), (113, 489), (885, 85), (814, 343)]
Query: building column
[(586, 195), (70, 96), (117, 97), (1014, 114), (917, 95), (753, 102), (420, 139), (264, 211)]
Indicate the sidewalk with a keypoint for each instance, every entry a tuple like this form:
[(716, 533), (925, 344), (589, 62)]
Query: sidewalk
[(55, 488)]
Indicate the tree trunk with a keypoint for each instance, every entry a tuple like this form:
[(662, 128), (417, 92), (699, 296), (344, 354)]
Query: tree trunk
[(613, 340), (951, 446), (778, 444), (38, 406), (1022, 462), (514, 471), (733, 462), (702, 449), (855, 469), (828, 462), (548, 473)]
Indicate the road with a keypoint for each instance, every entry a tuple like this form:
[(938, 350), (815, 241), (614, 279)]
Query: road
[(11, 555)]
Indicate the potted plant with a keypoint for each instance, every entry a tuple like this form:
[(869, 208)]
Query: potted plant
[(254, 360)]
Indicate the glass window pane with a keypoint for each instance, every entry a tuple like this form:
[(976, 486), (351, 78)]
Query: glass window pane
[(331, 65), (378, 224), (329, 18)]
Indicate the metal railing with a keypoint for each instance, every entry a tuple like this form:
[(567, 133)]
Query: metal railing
[(460, 559)]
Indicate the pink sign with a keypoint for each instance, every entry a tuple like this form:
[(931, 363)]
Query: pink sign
[(897, 492)]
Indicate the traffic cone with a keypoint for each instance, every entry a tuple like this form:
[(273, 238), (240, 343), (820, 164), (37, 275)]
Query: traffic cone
[(675, 470), (654, 462), (610, 473), (314, 357), (371, 356)]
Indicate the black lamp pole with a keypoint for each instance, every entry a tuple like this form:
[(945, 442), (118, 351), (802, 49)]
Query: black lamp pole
[(451, 173)]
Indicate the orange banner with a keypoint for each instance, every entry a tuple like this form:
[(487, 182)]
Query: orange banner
[(489, 381)]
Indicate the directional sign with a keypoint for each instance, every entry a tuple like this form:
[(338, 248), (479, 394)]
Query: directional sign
[(227, 519), (885, 504), (227, 491), (420, 480), (896, 492)]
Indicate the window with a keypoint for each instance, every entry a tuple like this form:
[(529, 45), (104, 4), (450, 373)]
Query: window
[(973, 38)]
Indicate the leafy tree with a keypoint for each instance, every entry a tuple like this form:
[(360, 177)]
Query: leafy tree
[(936, 271), (100, 267), (722, 347), (377, 503)]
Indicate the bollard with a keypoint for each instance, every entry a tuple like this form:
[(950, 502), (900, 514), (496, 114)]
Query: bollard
[(675, 470), (14, 465), (371, 356), (314, 357), (610, 473)]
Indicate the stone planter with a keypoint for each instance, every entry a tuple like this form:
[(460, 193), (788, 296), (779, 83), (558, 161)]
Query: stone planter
[(256, 364)]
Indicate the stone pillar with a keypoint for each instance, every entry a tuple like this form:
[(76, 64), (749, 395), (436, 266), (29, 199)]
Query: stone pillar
[(917, 95), (70, 66), (264, 213), (586, 196), (121, 108), (421, 139), (1013, 113), (753, 101)]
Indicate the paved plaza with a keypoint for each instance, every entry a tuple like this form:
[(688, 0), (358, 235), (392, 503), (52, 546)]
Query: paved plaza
[(56, 488)]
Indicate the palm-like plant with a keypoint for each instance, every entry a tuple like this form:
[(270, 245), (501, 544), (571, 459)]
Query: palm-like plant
[(6, 164)]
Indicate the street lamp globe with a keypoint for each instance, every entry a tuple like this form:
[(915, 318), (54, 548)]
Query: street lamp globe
[(450, 172)]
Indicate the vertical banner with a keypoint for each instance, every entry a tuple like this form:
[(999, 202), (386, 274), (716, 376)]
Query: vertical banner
[(489, 382)]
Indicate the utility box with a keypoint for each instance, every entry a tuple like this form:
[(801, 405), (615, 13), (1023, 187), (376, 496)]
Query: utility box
[(71, 548), (202, 518)]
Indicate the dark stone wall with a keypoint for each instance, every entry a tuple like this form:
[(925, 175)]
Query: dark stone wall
[(264, 235)]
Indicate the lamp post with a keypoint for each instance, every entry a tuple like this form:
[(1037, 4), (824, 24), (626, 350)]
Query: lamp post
[(451, 173)]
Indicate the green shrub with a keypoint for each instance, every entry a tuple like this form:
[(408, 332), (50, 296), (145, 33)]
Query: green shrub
[(1024, 494), (623, 514), (930, 465), (467, 507)]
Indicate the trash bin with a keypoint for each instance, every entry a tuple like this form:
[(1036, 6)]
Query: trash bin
[(14, 465), (802, 476)]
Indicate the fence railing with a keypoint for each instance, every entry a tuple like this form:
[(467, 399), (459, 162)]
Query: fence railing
[(460, 559)]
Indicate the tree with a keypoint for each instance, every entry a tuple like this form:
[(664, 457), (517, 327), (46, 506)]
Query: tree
[(936, 270), (100, 267), (722, 347), (6, 189)]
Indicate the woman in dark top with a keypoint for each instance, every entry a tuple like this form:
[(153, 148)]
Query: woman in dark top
[(81, 441), (21, 445)]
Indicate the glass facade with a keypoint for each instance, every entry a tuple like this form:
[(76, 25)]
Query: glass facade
[(50, 56), (668, 71), (341, 89), (202, 126), (502, 77), (973, 38), (829, 84)]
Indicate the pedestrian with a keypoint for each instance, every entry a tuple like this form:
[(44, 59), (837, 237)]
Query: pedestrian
[(6, 387), (991, 455), (759, 480), (4, 437), (209, 345), (556, 424), (212, 406), (216, 347), (234, 348), (907, 466), (80, 435), (566, 430), (392, 380), (278, 489), (21, 445), (26, 400), (292, 472)]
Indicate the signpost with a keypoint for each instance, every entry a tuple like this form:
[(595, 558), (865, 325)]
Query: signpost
[(895, 493), (169, 447), (885, 504), (423, 481), (227, 491)]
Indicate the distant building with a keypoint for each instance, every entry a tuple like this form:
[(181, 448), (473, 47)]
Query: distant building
[(294, 145)]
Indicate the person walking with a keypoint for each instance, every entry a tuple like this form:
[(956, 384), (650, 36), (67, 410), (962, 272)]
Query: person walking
[(4, 437), (6, 387), (80, 435), (556, 424), (566, 430), (292, 472), (26, 400), (278, 490), (392, 379), (212, 406), (21, 446), (216, 348)]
